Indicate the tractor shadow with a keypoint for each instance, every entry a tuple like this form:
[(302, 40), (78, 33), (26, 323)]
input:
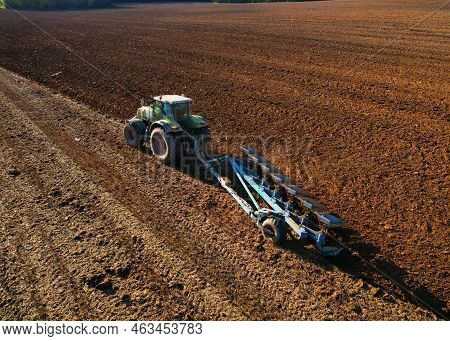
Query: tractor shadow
[(189, 165)]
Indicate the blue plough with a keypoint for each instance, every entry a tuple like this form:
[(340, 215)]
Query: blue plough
[(277, 207)]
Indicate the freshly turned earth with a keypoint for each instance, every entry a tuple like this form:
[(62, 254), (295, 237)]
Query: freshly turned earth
[(349, 98)]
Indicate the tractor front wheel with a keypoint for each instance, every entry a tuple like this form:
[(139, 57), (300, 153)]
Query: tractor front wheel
[(132, 136), (163, 145)]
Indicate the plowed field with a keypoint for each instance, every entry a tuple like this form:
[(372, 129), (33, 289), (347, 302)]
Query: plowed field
[(350, 98)]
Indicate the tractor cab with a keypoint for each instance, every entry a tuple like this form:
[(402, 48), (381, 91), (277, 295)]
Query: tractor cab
[(174, 111), (172, 107), (168, 107)]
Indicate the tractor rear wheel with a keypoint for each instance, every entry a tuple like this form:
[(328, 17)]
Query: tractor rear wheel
[(203, 140), (274, 230), (163, 146), (132, 136)]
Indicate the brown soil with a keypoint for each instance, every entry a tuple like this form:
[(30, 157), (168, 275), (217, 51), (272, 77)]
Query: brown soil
[(350, 98)]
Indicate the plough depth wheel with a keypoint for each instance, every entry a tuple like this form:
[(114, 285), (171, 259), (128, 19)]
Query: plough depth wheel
[(274, 230)]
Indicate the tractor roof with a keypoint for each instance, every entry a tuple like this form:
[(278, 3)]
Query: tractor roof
[(172, 99)]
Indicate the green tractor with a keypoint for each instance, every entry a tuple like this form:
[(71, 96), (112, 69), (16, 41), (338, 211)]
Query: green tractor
[(169, 127)]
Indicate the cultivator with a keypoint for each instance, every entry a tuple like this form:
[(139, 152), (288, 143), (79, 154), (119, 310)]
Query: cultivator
[(273, 202)]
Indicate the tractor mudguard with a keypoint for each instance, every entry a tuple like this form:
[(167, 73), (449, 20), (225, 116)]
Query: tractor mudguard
[(169, 125), (140, 126)]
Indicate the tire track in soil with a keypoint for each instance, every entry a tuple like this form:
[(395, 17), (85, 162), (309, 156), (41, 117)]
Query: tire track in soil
[(252, 285), (25, 239), (25, 272)]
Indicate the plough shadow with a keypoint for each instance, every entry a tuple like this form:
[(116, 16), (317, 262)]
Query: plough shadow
[(345, 262), (358, 268)]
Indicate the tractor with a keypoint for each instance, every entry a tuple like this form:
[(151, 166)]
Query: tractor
[(170, 128)]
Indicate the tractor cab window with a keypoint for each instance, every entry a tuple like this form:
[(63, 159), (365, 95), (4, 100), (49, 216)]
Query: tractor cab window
[(181, 110), (168, 110)]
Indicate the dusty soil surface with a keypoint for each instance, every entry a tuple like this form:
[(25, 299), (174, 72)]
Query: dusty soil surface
[(349, 97)]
